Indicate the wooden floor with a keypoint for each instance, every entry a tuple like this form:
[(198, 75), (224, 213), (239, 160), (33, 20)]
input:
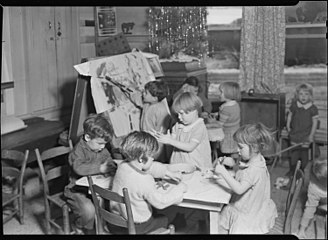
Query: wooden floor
[(34, 210)]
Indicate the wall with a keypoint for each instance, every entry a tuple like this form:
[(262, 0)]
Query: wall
[(138, 38)]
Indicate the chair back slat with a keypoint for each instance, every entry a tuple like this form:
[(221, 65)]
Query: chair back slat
[(12, 154), (103, 214), (108, 195), (54, 152), (57, 172), (292, 206)]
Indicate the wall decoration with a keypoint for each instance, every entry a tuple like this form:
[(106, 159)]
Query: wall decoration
[(127, 27), (106, 21)]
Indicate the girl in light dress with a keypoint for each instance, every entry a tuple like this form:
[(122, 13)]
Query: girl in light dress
[(189, 136), (251, 209), (228, 117)]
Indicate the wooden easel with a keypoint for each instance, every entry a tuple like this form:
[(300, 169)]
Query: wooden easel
[(82, 106)]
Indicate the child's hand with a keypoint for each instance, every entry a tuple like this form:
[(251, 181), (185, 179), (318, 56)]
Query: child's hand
[(108, 167), (184, 187), (219, 168), (176, 176), (163, 138)]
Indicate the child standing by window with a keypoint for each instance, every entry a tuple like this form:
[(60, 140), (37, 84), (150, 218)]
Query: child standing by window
[(137, 174), (302, 123), (317, 194), (228, 116), (88, 157), (189, 136), (251, 209), (156, 114)]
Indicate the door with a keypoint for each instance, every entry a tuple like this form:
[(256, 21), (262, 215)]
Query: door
[(52, 51)]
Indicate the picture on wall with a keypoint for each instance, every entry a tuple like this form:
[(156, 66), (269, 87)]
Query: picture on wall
[(106, 21)]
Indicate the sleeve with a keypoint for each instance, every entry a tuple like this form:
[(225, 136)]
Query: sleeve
[(174, 130), (150, 119), (310, 206), (157, 170), (314, 112), (249, 175), (84, 165), (162, 199), (224, 115), (197, 134), (292, 107)]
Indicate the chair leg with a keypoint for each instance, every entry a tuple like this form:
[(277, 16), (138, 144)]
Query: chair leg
[(47, 215), (21, 208), (66, 219)]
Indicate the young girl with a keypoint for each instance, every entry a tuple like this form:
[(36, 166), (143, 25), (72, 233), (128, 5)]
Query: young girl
[(251, 209), (317, 194), (156, 114), (137, 174), (301, 125), (191, 84), (189, 136), (229, 116)]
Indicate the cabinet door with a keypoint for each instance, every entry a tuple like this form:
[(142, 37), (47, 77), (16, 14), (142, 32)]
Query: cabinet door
[(67, 42), (52, 51), (41, 58)]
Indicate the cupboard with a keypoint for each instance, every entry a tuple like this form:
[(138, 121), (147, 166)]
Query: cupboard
[(44, 49)]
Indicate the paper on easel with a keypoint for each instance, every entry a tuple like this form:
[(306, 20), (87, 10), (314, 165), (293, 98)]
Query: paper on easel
[(120, 122)]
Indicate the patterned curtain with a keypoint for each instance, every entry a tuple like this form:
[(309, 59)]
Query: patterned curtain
[(262, 49)]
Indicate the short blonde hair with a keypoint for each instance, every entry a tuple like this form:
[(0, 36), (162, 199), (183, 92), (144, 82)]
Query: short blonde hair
[(305, 87), (231, 90), (319, 169), (187, 102)]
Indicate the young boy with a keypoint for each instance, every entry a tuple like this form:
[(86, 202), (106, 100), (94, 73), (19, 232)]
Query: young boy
[(137, 174), (88, 157)]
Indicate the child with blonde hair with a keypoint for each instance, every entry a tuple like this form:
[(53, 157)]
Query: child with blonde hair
[(189, 136), (137, 174), (251, 209), (316, 195), (228, 116), (301, 125)]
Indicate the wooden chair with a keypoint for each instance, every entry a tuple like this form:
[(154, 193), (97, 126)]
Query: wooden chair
[(283, 222), (56, 199), (13, 200), (321, 210), (115, 219)]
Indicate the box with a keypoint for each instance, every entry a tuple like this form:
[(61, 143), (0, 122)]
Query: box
[(182, 66)]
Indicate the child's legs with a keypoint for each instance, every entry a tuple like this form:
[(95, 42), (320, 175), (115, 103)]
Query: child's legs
[(82, 208), (294, 157), (304, 156), (155, 222)]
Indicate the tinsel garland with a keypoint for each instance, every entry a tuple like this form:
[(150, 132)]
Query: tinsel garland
[(177, 29)]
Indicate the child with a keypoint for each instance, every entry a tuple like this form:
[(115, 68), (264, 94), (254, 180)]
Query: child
[(317, 194), (251, 210), (229, 117), (88, 157), (137, 174), (156, 114), (301, 125), (189, 136), (191, 84)]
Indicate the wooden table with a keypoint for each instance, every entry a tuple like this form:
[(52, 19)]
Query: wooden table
[(205, 194)]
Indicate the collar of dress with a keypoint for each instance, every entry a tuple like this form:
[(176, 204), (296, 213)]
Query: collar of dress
[(305, 106), (189, 127)]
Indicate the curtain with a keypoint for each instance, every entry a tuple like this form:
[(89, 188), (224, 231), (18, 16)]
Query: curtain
[(262, 49)]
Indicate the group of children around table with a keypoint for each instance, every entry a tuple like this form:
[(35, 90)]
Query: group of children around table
[(251, 209)]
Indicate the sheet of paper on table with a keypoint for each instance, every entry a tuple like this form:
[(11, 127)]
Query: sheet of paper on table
[(205, 189), (99, 180)]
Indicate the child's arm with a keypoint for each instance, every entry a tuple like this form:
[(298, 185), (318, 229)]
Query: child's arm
[(237, 187), (314, 128), (289, 119), (310, 207)]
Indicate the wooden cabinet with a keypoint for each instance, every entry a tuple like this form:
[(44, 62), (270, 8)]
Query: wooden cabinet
[(52, 49)]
